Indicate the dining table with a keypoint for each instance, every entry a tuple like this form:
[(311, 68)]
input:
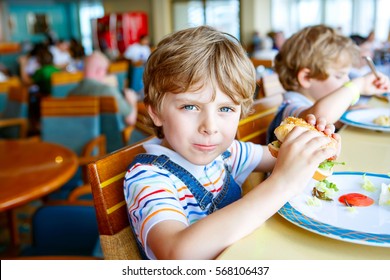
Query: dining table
[(363, 150), (30, 169)]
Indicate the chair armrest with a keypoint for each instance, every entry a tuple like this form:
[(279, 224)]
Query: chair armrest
[(126, 134), (87, 155), (16, 122), (99, 143)]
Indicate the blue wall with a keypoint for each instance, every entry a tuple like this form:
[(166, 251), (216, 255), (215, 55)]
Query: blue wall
[(63, 18), (64, 22)]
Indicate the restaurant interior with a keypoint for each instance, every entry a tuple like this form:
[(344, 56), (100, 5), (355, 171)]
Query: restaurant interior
[(63, 158)]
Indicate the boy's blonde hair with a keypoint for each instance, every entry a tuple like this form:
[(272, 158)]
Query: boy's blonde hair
[(317, 48), (189, 59)]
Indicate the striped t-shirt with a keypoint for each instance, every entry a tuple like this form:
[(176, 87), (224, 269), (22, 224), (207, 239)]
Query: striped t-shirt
[(154, 195)]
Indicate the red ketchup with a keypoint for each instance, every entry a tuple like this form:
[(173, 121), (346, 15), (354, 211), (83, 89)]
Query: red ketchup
[(356, 199)]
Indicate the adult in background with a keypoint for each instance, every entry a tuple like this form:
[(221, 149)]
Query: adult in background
[(137, 54), (93, 84)]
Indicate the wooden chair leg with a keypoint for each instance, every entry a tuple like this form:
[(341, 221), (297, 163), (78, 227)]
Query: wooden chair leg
[(13, 228)]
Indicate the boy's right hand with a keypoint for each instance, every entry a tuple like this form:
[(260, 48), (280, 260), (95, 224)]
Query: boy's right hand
[(299, 156), (371, 85)]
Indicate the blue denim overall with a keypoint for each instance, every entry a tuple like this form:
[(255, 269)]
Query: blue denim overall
[(229, 193), (275, 123)]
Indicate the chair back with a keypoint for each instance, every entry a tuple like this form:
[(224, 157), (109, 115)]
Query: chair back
[(15, 116), (71, 121), (271, 85), (66, 229), (106, 177), (119, 69), (267, 63), (254, 127), (135, 75), (4, 89), (63, 82), (112, 123)]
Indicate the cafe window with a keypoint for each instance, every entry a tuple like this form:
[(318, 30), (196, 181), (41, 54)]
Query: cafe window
[(89, 11), (350, 16), (224, 15)]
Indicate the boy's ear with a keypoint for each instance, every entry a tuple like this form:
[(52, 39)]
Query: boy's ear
[(154, 116), (304, 78)]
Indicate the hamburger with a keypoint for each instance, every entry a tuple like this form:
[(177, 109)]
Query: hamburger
[(325, 168)]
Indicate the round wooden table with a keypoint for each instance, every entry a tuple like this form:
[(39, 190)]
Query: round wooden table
[(31, 169)]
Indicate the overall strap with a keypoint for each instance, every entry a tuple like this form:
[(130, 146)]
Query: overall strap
[(202, 196)]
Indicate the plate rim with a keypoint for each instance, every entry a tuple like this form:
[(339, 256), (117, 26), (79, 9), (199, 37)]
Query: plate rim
[(344, 118), (297, 218)]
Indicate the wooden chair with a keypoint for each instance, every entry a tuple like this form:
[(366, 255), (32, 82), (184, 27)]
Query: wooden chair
[(141, 119), (119, 69), (14, 120), (117, 133), (267, 63), (4, 89), (254, 128), (63, 82), (134, 76), (106, 177), (73, 122), (271, 85), (63, 229)]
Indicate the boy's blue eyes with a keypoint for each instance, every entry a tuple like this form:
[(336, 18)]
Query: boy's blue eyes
[(226, 109), (193, 107), (189, 107)]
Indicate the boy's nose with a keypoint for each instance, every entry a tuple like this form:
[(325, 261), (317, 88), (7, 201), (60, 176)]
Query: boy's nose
[(208, 126)]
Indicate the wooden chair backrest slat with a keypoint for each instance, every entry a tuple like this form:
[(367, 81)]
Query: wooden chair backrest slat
[(62, 78), (254, 127), (267, 63), (106, 177), (118, 66), (108, 104), (74, 105), (271, 85), (18, 93)]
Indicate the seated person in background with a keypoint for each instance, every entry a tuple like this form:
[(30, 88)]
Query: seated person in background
[(4, 73), (265, 51), (95, 72), (277, 38), (184, 195), (77, 53), (138, 52), (42, 77), (28, 63), (313, 67), (61, 54)]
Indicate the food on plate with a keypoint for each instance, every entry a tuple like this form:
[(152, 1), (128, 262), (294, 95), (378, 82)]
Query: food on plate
[(382, 120), (356, 199), (325, 169), (384, 197), (324, 190), (313, 201), (367, 184)]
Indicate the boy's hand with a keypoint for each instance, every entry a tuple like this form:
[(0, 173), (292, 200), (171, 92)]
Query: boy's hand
[(329, 129), (371, 85), (320, 124)]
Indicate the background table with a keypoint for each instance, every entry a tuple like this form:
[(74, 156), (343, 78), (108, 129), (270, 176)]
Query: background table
[(30, 170), (362, 150)]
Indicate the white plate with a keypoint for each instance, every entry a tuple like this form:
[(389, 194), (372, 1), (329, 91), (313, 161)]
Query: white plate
[(366, 225), (364, 118)]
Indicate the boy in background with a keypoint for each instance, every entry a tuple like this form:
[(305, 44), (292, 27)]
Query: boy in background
[(313, 67)]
